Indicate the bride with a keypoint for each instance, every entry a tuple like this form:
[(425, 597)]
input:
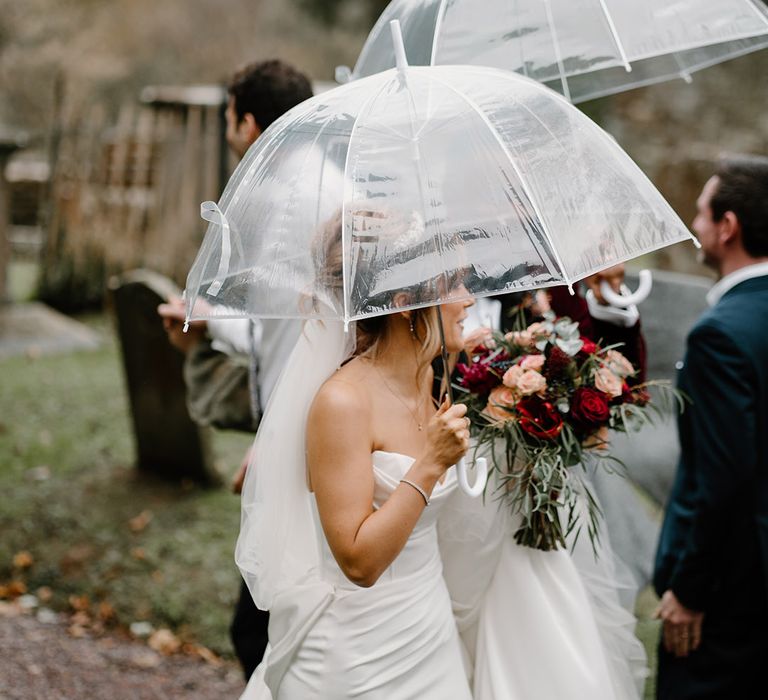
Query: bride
[(341, 546), (349, 473)]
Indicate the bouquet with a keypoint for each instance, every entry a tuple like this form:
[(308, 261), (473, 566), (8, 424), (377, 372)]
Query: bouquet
[(541, 401)]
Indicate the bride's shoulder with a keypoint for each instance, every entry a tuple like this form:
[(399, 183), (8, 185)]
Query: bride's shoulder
[(345, 392)]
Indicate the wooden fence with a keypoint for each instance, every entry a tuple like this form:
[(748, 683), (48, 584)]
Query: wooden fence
[(126, 192)]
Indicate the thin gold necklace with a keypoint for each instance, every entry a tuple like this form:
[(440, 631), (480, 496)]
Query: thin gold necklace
[(419, 423)]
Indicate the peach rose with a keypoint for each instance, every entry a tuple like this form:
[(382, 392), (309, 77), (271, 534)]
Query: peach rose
[(608, 382), (533, 362), (531, 382), (498, 398), (618, 364), (511, 376)]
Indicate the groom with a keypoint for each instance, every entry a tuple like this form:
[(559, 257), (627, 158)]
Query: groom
[(712, 560)]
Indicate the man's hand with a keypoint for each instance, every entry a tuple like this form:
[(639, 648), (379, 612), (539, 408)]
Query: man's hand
[(173, 314), (613, 275), (681, 626), (239, 478)]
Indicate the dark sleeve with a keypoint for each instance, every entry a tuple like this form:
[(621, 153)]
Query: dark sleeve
[(218, 389), (723, 424)]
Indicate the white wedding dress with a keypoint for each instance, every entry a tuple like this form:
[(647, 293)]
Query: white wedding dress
[(396, 640), (537, 625)]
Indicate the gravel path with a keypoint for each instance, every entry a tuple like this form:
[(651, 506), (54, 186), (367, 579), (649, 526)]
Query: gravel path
[(42, 661)]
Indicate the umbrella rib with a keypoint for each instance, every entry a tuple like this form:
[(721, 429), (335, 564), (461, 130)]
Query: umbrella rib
[(556, 46), (511, 160), (438, 26), (615, 35), (757, 11), (345, 180)]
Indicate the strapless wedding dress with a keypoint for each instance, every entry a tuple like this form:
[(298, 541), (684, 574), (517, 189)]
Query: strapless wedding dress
[(396, 640)]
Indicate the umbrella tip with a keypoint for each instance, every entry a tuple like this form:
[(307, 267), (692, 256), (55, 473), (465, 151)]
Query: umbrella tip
[(401, 62)]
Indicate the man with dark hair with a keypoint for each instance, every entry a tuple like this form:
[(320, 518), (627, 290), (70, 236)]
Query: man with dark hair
[(258, 94), (228, 389), (712, 560)]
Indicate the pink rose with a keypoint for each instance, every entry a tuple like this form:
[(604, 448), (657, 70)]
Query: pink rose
[(511, 376), (532, 362), (498, 399), (531, 382), (618, 364), (606, 381)]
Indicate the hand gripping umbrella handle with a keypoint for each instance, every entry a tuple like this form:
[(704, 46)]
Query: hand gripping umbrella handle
[(627, 299), (481, 466)]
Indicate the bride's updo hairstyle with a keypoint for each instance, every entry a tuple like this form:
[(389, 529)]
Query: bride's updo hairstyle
[(372, 331)]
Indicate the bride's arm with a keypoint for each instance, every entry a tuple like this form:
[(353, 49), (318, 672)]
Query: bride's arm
[(365, 541)]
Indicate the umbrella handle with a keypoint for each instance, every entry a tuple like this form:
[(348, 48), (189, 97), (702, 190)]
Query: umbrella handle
[(481, 465), (627, 298)]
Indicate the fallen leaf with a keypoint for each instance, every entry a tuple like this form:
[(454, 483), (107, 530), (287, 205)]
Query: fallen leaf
[(204, 653), (164, 641), (106, 611), (22, 560), (44, 594), (13, 589), (139, 553), (157, 576), (78, 603), (139, 522), (77, 631), (81, 618)]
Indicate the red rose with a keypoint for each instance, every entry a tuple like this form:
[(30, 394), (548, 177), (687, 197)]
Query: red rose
[(477, 378), (539, 418), (589, 347), (589, 408)]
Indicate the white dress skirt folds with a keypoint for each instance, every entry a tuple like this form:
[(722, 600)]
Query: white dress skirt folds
[(538, 625), (396, 640)]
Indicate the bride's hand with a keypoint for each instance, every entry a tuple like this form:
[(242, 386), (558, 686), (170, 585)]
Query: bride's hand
[(448, 435)]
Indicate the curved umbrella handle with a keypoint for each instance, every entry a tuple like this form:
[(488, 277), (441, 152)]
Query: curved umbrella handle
[(627, 298), (481, 465)]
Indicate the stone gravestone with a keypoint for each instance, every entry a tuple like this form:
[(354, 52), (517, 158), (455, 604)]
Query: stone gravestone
[(168, 443), (650, 455)]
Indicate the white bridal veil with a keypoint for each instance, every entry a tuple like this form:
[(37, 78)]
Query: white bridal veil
[(278, 547)]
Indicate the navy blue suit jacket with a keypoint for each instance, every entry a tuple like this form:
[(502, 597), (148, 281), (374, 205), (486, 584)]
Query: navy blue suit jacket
[(713, 549)]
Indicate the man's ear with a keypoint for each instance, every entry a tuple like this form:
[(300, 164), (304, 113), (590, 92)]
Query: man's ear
[(730, 229), (249, 127)]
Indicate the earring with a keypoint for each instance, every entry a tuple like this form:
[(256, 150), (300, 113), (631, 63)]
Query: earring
[(410, 325)]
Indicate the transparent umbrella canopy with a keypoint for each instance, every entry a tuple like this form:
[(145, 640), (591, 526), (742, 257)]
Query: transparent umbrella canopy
[(413, 180), (581, 48), (416, 186)]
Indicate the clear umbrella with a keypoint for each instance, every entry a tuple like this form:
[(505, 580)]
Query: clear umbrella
[(581, 48), (413, 180)]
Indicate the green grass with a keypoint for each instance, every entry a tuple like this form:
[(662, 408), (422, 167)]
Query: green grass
[(69, 490)]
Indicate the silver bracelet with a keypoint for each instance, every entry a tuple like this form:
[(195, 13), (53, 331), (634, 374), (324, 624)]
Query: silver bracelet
[(418, 488)]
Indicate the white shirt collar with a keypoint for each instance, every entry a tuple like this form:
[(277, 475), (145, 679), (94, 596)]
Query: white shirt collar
[(736, 277)]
